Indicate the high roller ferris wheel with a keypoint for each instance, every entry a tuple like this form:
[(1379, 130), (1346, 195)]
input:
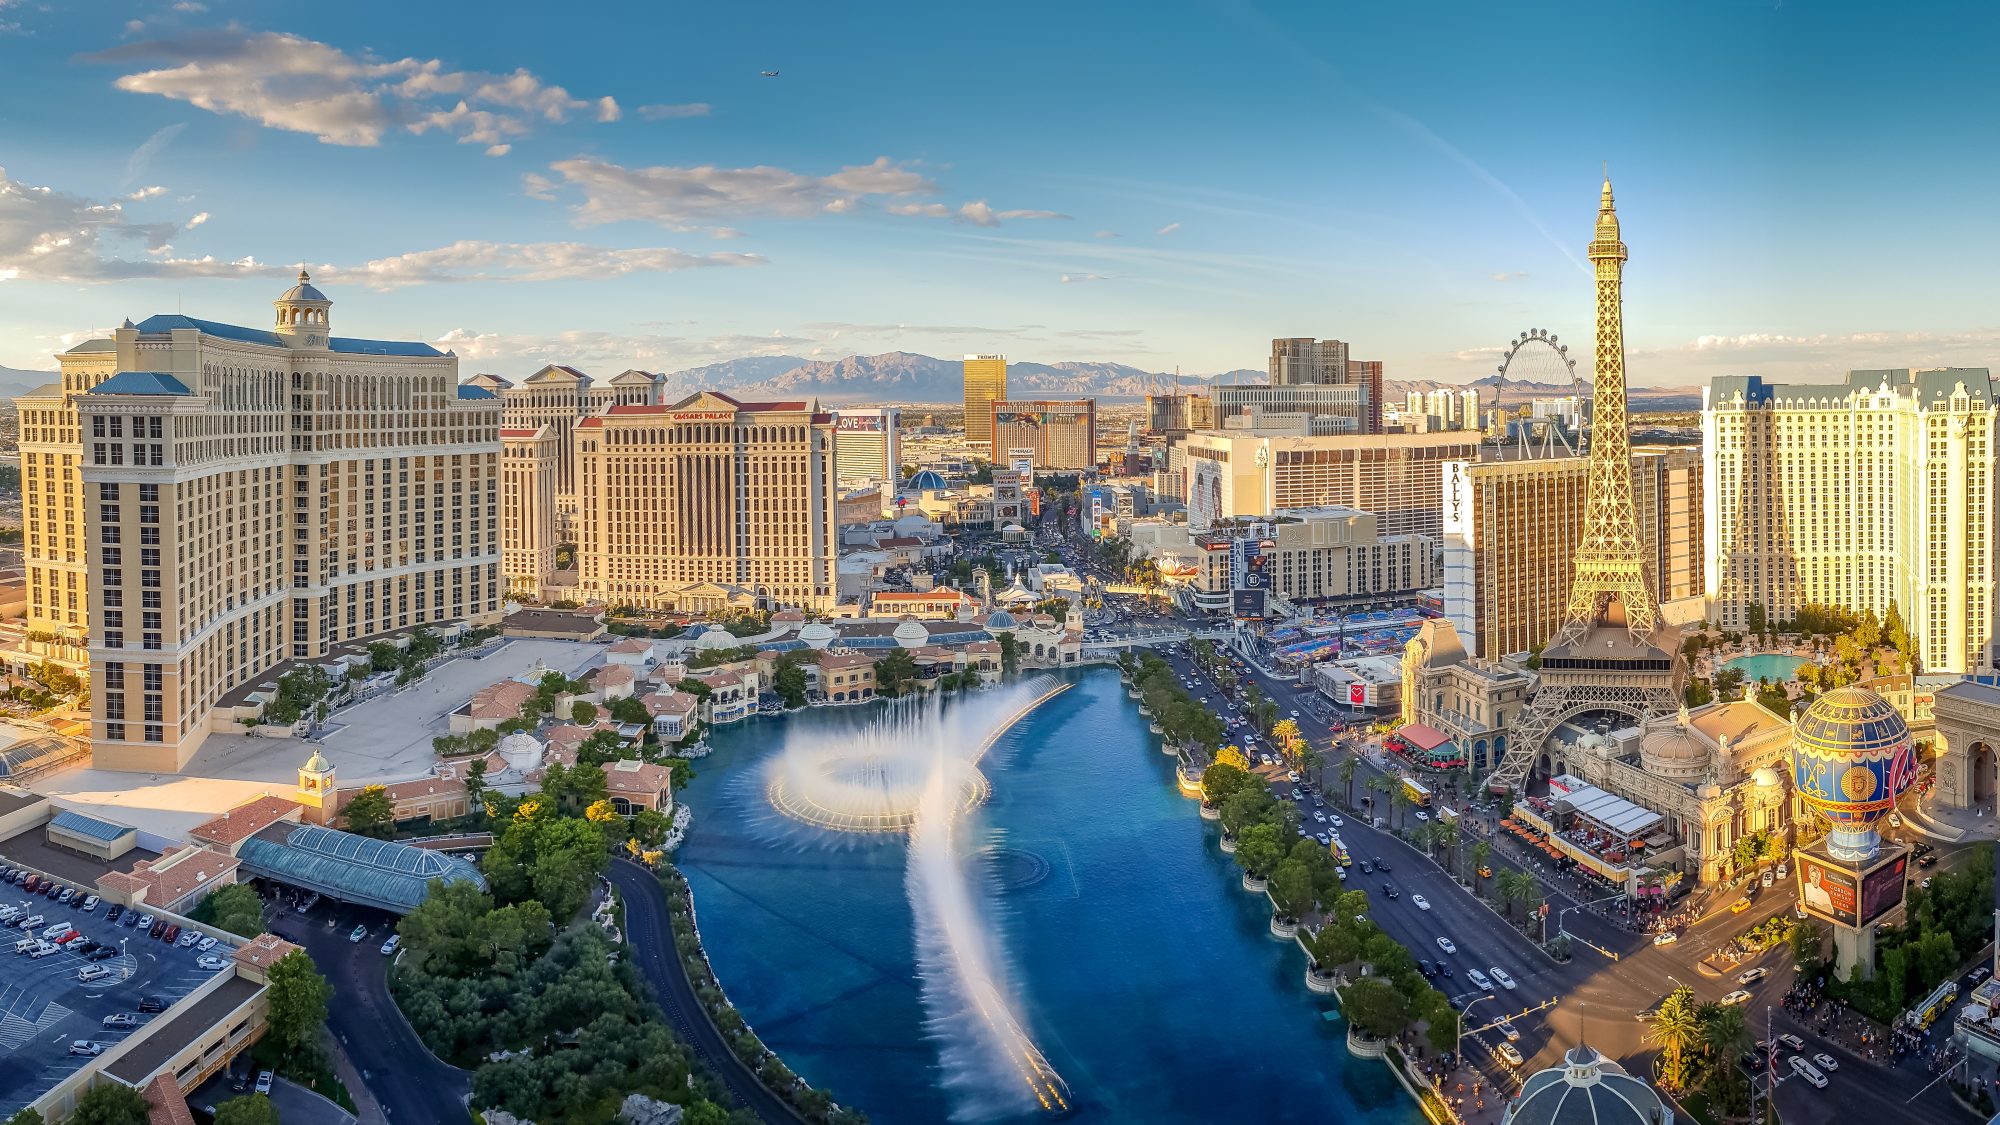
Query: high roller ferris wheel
[(1539, 356)]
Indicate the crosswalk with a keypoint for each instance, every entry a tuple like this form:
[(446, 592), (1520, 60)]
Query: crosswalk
[(23, 1016)]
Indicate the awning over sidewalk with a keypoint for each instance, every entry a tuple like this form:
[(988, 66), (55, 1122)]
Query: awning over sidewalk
[(1421, 737)]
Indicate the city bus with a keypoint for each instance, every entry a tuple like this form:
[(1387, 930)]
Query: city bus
[(1418, 793)]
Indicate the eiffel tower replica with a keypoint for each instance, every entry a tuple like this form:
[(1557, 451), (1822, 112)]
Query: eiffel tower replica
[(1612, 651)]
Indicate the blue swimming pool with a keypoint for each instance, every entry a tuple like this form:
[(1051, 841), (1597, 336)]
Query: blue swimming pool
[(1775, 667), (1144, 972)]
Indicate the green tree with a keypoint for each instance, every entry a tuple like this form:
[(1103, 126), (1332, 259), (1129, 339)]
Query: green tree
[(1805, 942), (236, 908), (1258, 849), (297, 996), (895, 673), (629, 710), (1291, 888), (109, 1104), (251, 1109), (27, 1115), (1010, 654), (1400, 802), (1725, 1033), (475, 790), (583, 712), (1376, 1007), (1775, 699), (1697, 693), (1481, 852), (1345, 772), (789, 680), (1728, 683), (371, 813), (1223, 779)]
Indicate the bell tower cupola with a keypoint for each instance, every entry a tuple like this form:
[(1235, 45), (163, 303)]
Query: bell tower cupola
[(302, 312)]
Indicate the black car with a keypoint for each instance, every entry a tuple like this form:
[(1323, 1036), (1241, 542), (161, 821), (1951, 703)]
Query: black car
[(152, 1004), (159, 927), (102, 953), (1381, 864), (53, 890), (1425, 967), (85, 947), (1389, 891), (1444, 970), (113, 914), (1928, 859)]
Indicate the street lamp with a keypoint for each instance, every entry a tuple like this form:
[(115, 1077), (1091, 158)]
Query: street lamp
[(1458, 1041)]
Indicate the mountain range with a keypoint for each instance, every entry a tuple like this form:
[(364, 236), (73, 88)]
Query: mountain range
[(910, 378)]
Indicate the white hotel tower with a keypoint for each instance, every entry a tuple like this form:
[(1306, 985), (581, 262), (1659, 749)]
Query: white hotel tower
[(1856, 494)]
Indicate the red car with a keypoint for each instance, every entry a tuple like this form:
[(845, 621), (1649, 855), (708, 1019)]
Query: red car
[(172, 934), (68, 937)]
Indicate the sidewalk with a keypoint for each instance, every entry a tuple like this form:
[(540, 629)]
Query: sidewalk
[(343, 1068)]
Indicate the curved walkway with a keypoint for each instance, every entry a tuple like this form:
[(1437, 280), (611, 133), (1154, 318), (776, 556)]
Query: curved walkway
[(649, 934)]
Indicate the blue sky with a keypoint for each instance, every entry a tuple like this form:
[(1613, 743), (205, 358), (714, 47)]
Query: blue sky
[(1805, 188)]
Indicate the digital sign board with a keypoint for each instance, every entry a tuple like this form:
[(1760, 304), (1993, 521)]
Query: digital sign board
[(1847, 897), (859, 423)]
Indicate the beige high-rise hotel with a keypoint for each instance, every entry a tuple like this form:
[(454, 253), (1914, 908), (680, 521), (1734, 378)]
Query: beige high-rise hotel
[(1859, 494), (530, 462), (235, 499), (1511, 530), (680, 503), (985, 384)]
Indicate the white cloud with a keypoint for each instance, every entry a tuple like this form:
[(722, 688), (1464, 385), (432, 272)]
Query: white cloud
[(49, 235), (694, 198), (284, 81), (669, 112), (142, 157), (190, 6), (1504, 276), (1168, 229), (1106, 234), (1073, 278), (196, 221), (499, 150), (978, 213), (147, 192), (531, 261)]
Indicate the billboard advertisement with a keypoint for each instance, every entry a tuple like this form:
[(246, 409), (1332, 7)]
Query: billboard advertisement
[(1248, 604), (1023, 462), (859, 423), (1830, 893), (1882, 888), (1204, 493), (1357, 694)]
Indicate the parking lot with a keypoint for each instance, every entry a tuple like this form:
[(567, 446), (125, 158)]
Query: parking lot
[(45, 1006)]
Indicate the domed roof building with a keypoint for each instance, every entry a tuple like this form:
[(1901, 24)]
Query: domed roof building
[(910, 633), (1666, 749), (1852, 756), (1000, 621), (1587, 1089), (927, 480), (816, 634), (715, 637)]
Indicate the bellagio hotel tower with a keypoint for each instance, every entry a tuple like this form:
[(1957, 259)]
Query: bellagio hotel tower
[(218, 502)]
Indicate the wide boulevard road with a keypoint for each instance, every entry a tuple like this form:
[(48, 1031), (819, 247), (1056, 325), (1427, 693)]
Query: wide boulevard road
[(1600, 994)]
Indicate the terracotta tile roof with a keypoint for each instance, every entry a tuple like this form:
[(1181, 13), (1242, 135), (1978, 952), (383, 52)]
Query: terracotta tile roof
[(628, 776), (118, 882), (165, 1104), (984, 648), (518, 433), (839, 660), (720, 678), (612, 675), (500, 701), (632, 646), (263, 951), (245, 820), (182, 871), (669, 703)]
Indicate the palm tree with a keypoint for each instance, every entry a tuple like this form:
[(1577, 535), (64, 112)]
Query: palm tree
[(1447, 834), (1677, 1032), (1380, 786), (1286, 735), (1481, 850), (1345, 771), (1400, 802), (1725, 1033)]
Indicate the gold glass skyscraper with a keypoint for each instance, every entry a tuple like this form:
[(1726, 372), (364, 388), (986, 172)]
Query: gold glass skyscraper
[(985, 384)]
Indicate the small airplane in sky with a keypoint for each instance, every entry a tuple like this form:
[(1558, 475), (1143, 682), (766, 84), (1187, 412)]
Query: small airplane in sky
[(768, 73)]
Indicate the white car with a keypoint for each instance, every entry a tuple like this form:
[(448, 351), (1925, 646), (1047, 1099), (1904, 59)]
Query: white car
[(210, 962), (1737, 997), (1478, 980), (86, 1047), (1507, 1054), (1420, 902), (90, 904), (1752, 976), (1506, 1028), (1320, 816), (1335, 821), (1500, 975), (1826, 1062), (1808, 1071), (205, 944), (1666, 938), (1422, 815), (1445, 944)]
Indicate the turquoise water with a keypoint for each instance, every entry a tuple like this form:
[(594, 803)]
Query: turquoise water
[(1771, 666), (1145, 974)]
